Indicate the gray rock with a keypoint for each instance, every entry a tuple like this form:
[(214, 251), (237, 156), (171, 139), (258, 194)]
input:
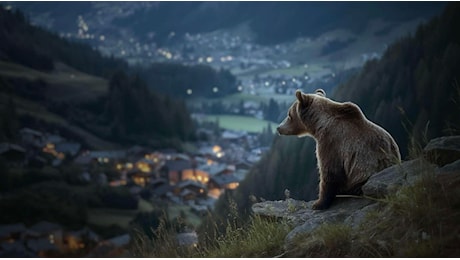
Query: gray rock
[(449, 175), (338, 212), (443, 150), (452, 168), (358, 217), (391, 179), (300, 214)]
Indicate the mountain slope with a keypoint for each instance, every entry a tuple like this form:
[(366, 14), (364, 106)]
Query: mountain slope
[(69, 83)]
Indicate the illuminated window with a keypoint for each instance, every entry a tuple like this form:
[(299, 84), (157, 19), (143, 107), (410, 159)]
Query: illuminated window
[(216, 149)]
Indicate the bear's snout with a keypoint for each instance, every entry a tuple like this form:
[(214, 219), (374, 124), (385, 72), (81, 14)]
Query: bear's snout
[(278, 130)]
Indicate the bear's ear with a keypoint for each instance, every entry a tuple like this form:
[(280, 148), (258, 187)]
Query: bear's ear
[(300, 97), (304, 100), (320, 92)]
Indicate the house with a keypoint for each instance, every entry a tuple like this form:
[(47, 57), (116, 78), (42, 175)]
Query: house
[(145, 165), (15, 249), (102, 157), (177, 170), (114, 247), (160, 188), (189, 190), (51, 232), (53, 139), (12, 153), (225, 181), (11, 233), (214, 169), (139, 177), (84, 159), (32, 137), (80, 239), (68, 148), (42, 247)]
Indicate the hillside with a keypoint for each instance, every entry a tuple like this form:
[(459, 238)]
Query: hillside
[(64, 83), (90, 94), (416, 75), (39, 49)]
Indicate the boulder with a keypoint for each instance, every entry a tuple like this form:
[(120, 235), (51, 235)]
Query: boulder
[(390, 180), (300, 215), (443, 150)]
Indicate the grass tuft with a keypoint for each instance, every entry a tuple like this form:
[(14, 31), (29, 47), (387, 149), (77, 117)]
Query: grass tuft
[(262, 238)]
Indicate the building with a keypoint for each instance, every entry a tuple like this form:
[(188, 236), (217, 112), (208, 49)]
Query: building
[(190, 190), (32, 137), (225, 181), (177, 170)]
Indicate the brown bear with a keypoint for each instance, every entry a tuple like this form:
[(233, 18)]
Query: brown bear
[(349, 147)]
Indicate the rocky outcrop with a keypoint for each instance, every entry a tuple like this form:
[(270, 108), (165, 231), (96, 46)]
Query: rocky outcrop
[(443, 150), (391, 179), (441, 157)]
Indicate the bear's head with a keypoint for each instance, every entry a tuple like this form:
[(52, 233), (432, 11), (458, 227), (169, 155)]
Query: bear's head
[(303, 114)]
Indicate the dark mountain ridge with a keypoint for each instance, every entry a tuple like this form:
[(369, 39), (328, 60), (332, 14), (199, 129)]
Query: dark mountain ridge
[(272, 22)]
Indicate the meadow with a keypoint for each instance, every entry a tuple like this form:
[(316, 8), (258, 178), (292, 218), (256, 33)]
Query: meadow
[(241, 123)]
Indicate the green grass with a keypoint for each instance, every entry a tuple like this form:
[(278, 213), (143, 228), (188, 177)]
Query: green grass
[(260, 238), (245, 123)]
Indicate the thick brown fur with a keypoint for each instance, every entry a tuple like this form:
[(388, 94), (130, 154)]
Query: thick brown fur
[(349, 147)]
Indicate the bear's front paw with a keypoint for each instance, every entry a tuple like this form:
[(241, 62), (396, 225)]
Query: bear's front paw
[(319, 205)]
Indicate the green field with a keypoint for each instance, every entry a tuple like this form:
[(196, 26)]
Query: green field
[(238, 97), (245, 123)]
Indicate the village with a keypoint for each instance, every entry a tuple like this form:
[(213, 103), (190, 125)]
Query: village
[(194, 180)]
